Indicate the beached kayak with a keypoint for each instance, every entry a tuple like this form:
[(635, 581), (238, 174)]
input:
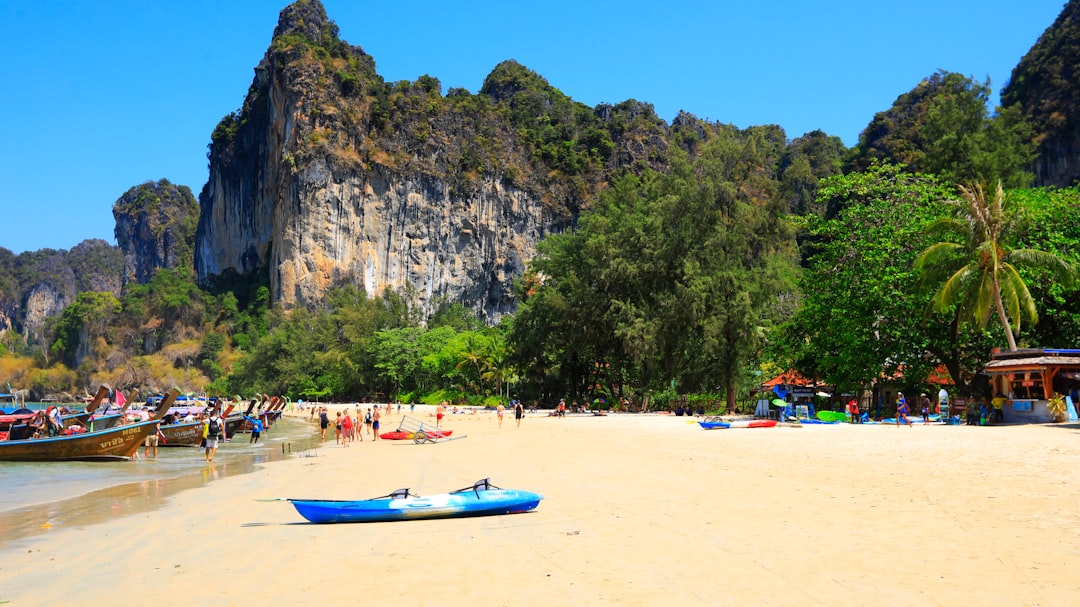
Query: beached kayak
[(714, 425), (402, 435), (754, 423), (481, 499)]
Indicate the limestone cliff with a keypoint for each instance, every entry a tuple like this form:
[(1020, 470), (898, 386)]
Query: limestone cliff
[(328, 175), (155, 228), (1046, 86), (35, 285)]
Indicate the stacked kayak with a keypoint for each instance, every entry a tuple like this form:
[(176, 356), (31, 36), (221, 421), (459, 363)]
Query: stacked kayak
[(745, 423), (403, 435), (480, 499)]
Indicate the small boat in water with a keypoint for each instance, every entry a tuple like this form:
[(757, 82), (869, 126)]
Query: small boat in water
[(119, 442), (480, 499)]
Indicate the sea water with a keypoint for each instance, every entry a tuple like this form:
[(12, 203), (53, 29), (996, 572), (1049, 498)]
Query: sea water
[(37, 496)]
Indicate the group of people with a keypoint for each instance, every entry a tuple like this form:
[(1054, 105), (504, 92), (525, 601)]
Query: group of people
[(519, 411), (346, 427)]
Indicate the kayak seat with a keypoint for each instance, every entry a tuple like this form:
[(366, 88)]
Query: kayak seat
[(399, 494)]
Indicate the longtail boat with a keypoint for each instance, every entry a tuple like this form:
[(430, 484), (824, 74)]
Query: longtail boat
[(183, 434), (115, 443), (83, 416)]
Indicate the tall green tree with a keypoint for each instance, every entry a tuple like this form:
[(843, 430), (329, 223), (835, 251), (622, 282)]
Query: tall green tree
[(860, 315), (980, 274), (669, 277)]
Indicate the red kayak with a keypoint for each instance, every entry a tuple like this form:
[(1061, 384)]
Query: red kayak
[(402, 435), (756, 423)]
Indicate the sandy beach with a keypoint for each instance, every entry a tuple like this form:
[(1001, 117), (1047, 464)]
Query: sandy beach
[(638, 510)]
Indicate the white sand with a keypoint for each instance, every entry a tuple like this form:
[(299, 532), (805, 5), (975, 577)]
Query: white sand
[(638, 510)]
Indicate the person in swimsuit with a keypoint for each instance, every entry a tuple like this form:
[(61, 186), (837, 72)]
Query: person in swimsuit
[(499, 412), (902, 410), (375, 423), (519, 412)]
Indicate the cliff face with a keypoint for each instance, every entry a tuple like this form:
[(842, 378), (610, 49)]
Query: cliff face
[(155, 228), (1046, 86), (329, 176), (39, 284)]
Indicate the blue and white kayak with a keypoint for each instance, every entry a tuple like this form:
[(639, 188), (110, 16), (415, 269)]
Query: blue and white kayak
[(481, 499), (714, 425)]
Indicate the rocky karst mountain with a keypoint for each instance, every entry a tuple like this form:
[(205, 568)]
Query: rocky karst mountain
[(1046, 86), (35, 285), (328, 175), (155, 229)]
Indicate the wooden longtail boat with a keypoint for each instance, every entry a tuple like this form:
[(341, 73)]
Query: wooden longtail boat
[(183, 434), (111, 444), (83, 416)]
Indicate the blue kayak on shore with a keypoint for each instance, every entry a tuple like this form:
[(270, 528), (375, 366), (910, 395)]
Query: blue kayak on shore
[(480, 499)]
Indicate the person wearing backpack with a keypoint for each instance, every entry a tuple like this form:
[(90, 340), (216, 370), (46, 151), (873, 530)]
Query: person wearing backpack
[(212, 433)]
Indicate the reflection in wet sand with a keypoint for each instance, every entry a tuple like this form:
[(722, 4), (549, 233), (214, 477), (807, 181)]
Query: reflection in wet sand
[(132, 498)]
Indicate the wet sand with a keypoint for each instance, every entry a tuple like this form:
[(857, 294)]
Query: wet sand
[(638, 510)]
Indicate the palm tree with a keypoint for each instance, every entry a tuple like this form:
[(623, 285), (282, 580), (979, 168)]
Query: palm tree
[(981, 272)]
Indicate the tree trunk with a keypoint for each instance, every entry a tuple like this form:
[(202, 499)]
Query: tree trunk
[(1001, 315), (731, 396)]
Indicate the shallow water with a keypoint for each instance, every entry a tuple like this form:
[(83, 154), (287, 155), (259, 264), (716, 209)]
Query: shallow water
[(36, 497)]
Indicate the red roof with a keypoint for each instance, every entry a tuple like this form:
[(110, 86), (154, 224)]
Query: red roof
[(790, 378)]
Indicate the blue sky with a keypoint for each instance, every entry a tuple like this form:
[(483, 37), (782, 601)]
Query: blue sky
[(99, 96)]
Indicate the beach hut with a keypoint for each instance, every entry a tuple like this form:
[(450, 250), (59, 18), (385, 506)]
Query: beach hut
[(1030, 378)]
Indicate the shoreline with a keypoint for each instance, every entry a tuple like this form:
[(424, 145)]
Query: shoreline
[(179, 470), (637, 509)]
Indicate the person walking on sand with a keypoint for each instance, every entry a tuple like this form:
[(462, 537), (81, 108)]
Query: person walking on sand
[(519, 412), (324, 422), (499, 413), (346, 428), (368, 421), (375, 423), (337, 428), (853, 408), (212, 433), (902, 410), (440, 410), (924, 402)]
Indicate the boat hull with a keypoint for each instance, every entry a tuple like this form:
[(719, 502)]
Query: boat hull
[(446, 505), (110, 444), (184, 434)]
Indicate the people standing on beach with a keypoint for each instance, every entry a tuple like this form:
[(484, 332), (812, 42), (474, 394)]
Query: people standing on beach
[(375, 422), (337, 428), (902, 410), (924, 400), (212, 432), (324, 422), (853, 408), (499, 413), (519, 412), (346, 428), (256, 429), (998, 405), (440, 410), (368, 420)]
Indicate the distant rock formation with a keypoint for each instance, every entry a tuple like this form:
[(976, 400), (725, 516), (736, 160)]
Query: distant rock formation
[(1046, 86), (305, 185), (155, 229)]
